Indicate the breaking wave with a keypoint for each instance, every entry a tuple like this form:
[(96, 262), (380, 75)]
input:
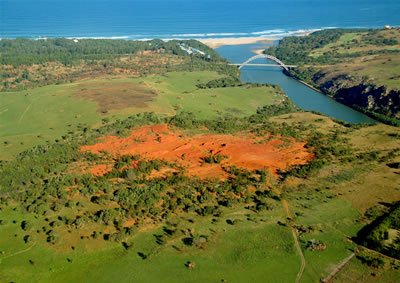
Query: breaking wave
[(271, 34)]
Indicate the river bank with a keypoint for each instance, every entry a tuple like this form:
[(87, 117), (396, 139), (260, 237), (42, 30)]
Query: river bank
[(302, 95), (303, 82), (218, 42), (222, 41)]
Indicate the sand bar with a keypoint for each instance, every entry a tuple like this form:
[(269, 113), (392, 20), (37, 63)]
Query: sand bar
[(258, 51), (217, 42)]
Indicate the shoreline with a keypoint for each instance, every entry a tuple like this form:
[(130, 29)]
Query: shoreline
[(212, 42), (218, 42), (258, 51)]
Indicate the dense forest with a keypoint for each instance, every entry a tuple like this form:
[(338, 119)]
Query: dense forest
[(68, 51)]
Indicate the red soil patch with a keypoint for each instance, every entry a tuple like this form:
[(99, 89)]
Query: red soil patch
[(100, 169), (243, 151), (129, 223), (163, 172)]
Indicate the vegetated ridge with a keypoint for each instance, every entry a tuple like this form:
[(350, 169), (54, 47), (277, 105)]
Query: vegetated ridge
[(357, 67)]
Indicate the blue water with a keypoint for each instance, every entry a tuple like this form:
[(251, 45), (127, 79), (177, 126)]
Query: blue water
[(186, 18), (145, 19), (301, 95)]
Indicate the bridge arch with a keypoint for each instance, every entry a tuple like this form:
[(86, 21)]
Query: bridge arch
[(264, 56)]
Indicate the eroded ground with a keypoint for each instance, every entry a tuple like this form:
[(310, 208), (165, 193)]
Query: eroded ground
[(192, 152), (128, 94)]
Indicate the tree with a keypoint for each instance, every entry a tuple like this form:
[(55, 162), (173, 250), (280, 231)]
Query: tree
[(25, 225)]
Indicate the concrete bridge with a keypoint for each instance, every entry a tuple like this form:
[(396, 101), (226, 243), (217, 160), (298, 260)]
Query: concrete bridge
[(264, 56)]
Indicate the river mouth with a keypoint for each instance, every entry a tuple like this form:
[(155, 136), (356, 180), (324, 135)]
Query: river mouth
[(301, 95)]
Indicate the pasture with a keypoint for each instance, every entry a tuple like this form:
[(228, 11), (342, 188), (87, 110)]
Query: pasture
[(354, 42), (237, 245), (255, 248), (35, 116), (367, 58)]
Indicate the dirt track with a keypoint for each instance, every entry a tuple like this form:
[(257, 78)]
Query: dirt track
[(296, 243)]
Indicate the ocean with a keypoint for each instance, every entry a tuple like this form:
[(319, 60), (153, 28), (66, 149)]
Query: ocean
[(145, 19)]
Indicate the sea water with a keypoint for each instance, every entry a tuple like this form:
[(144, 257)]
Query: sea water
[(147, 19), (144, 19)]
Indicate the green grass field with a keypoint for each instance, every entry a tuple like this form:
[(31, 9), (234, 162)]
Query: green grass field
[(355, 272), (353, 42), (34, 116), (380, 68), (256, 249), (339, 46), (259, 247), (177, 91), (362, 184), (147, 221)]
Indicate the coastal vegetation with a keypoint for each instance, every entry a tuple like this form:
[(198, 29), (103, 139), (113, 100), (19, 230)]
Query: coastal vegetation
[(18, 52), (141, 211), (26, 63), (97, 101), (85, 82), (186, 172), (383, 233), (354, 66)]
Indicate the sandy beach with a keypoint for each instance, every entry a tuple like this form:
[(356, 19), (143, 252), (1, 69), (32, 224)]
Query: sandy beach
[(217, 42), (258, 51)]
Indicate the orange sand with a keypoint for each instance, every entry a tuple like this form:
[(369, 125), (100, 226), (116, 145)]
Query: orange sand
[(160, 142)]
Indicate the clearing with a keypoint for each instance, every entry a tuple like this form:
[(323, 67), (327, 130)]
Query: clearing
[(191, 152), (35, 116)]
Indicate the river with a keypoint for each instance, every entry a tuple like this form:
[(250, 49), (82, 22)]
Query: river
[(301, 95)]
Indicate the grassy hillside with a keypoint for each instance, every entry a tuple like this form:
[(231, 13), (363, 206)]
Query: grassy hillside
[(160, 166), (359, 68), (26, 63), (135, 224), (43, 114)]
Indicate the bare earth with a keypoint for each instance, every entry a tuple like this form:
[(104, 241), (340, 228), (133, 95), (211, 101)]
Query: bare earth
[(109, 96), (243, 151)]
